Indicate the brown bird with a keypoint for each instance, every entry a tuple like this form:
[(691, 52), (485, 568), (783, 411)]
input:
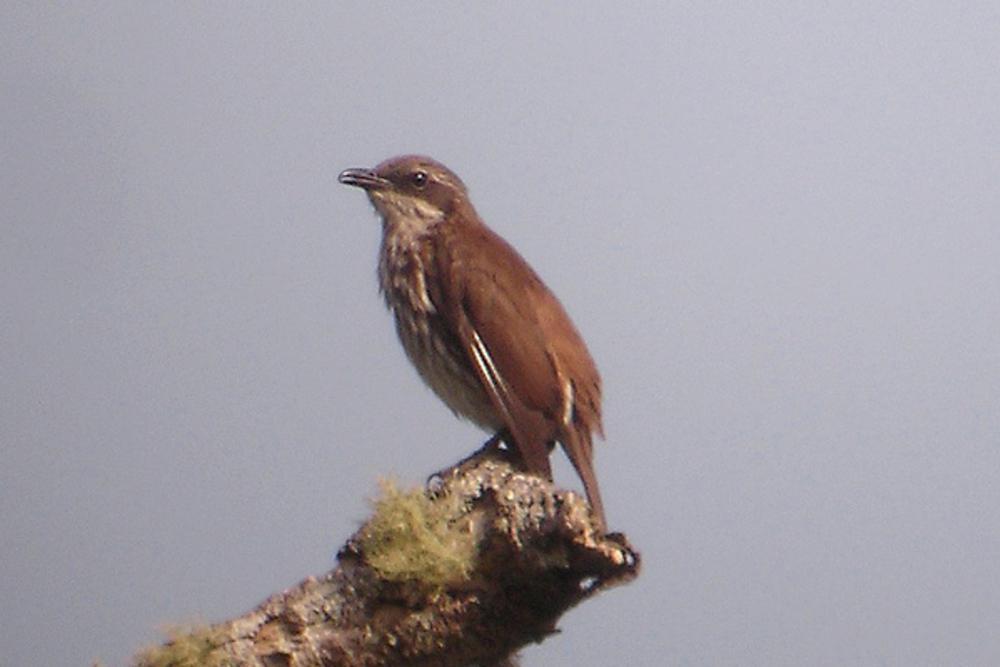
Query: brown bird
[(482, 329)]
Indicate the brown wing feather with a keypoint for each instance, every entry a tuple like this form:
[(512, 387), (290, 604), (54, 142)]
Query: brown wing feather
[(500, 334), (529, 428), (502, 314)]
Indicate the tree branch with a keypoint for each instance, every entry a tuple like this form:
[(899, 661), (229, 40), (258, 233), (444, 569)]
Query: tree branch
[(464, 573)]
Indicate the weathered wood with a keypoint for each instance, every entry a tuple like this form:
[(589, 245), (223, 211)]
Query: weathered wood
[(464, 573)]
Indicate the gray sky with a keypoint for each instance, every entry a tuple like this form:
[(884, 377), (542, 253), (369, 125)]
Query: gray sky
[(777, 228)]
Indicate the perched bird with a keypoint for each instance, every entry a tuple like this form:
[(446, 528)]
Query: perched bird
[(482, 329)]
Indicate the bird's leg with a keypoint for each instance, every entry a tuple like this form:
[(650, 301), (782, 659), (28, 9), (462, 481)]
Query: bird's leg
[(497, 447)]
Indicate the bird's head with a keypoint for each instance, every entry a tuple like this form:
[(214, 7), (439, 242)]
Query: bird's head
[(410, 188)]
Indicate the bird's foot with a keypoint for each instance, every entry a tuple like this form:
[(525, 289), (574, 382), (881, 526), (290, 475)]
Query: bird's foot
[(495, 448)]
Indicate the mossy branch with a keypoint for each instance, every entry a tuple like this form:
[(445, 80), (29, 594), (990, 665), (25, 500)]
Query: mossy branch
[(465, 573)]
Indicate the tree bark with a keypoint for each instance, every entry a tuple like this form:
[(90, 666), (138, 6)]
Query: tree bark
[(466, 572)]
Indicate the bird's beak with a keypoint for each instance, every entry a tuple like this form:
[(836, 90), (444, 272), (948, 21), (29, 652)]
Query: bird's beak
[(363, 178)]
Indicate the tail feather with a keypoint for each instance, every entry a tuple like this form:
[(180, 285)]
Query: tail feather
[(578, 445)]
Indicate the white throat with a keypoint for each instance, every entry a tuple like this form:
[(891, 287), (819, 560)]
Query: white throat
[(404, 218)]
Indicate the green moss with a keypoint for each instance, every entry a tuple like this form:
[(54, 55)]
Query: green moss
[(185, 647), (413, 538)]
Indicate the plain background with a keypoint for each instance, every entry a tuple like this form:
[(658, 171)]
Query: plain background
[(776, 224)]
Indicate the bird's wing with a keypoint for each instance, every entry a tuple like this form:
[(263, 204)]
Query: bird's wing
[(525, 351), (493, 312)]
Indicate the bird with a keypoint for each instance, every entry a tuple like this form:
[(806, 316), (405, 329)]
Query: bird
[(482, 329)]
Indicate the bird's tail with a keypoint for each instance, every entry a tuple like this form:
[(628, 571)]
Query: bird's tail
[(579, 447)]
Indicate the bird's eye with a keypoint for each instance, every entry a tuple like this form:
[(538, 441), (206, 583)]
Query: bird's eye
[(419, 178)]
